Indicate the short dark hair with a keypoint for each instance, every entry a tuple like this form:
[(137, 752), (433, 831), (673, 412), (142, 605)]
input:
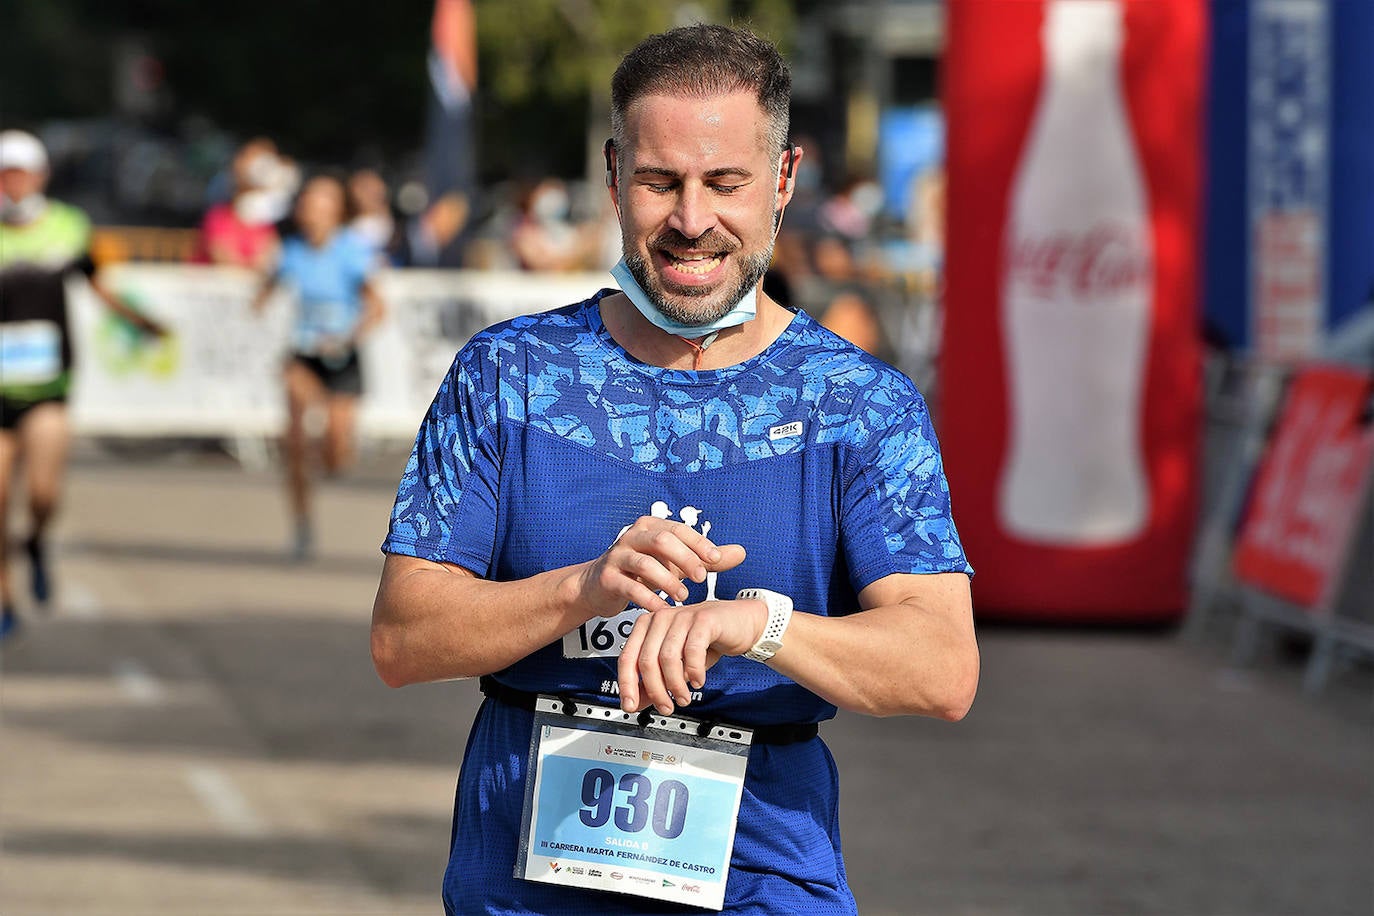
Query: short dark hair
[(701, 60)]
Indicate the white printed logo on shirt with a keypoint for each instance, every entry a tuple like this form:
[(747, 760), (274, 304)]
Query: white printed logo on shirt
[(785, 431), (604, 637)]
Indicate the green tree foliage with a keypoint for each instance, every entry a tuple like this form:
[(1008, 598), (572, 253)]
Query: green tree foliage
[(545, 70), (563, 50)]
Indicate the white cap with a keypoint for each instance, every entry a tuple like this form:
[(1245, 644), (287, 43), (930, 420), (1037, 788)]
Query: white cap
[(22, 150)]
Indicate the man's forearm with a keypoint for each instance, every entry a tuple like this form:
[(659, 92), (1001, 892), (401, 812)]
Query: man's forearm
[(434, 621), (431, 623), (911, 650), (890, 660)]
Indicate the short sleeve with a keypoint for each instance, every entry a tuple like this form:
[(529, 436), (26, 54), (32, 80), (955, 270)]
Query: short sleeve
[(446, 502), (896, 515), (362, 259)]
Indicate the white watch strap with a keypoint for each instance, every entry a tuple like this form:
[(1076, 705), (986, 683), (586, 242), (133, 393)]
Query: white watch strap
[(779, 616)]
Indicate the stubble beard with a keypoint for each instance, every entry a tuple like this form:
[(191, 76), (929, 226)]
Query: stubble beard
[(697, 306)]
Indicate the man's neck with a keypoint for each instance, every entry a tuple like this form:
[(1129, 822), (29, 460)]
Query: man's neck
[(657, 347)]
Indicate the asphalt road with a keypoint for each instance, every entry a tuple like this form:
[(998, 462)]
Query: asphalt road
[(197, 729)]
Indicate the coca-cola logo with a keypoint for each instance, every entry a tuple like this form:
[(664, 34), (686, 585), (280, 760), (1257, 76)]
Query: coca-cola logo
[(1104, 262)]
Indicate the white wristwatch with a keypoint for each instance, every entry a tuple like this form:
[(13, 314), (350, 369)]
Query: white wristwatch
[(779, 616)]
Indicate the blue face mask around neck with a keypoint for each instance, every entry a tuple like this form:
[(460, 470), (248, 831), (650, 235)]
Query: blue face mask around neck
[(743, 311)]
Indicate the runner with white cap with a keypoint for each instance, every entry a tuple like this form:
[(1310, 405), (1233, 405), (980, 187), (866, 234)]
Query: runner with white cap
[(42, 243)]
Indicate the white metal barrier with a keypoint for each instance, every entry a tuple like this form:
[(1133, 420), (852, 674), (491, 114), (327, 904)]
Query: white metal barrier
[(1317, 508)]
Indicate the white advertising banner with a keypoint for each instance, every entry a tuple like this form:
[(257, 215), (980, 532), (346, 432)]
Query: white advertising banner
[(430, 315), (218, 373)]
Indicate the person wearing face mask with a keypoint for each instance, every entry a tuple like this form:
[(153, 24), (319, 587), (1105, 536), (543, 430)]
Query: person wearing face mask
[(43, 242), (369, 211), (543, 237), (242, 231), (849, 213), (673, 528)]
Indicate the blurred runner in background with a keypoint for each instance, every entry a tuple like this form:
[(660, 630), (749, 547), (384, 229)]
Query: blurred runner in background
[(42, 243), (328, 267)]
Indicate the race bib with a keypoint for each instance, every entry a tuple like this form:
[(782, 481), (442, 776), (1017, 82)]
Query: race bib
[(601, 637), (648, 810), (318, 323), (30, 352)]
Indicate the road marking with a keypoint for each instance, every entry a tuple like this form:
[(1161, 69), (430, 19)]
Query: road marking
[(225, 802), (137, 682), (79, 601)]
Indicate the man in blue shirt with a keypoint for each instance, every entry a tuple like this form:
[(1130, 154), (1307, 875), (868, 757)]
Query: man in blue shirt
[(683, 499)]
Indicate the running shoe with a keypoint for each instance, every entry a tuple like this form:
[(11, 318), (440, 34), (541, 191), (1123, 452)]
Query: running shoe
[(9, 623), (303, 543), (39, 583)]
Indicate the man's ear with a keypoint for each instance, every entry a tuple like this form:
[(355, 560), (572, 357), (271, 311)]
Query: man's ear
[(787, 172), (608, 150)]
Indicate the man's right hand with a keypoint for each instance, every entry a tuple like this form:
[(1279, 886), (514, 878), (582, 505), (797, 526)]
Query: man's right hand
[(653, 555)]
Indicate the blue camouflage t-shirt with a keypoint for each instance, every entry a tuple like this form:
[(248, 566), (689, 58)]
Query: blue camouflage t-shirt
[(546, 439)]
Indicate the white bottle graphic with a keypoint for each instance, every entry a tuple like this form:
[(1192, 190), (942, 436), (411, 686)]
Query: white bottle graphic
[(1076, 297)]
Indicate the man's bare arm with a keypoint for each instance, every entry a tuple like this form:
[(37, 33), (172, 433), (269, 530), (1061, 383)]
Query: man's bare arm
[(436, 621), (910, 650)]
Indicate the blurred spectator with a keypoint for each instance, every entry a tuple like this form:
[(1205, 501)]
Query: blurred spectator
[(852, 315), (836, 295), (329, 268), (925, 227), (42, 243), (241, 231), (434, 237), (543, 237), (925, 218), (814, 268), (849, 213), (281, 180), (369, 208)]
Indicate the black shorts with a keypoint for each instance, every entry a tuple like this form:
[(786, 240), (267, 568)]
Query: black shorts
[(12, 412), (339, 374)]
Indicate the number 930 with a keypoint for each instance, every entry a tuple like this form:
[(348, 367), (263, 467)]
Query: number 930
[(635, 802)]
